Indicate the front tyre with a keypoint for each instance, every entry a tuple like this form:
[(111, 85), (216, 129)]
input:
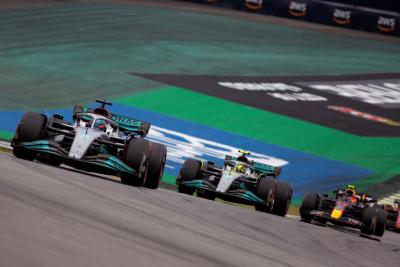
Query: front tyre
[(136, 153), (190, 171), (311, 202), (283, 197), (155, 166), (380, 222), (30, 128), (265, 190), (369, 219)]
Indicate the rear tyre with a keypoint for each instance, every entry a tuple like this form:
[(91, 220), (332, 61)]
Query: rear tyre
[(369, 219), (155, 167), (265, 191), (283, 196), (311, 202), (30, 128), (136, 152), (190, 171), (380, 222)]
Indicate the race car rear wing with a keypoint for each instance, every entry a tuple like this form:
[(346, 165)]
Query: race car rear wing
[(125, 123)]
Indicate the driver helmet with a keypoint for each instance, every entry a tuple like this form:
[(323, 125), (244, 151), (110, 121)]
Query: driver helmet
[(350, 190), (100, 124), (241, 168)]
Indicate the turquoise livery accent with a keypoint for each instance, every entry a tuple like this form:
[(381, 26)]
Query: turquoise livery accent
[(42, 145), (110, 162), (126, 122), (247, 195), (118, 165), (194, 183), (252, 197)]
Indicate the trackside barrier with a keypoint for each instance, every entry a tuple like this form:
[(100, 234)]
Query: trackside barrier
[(318, 11)]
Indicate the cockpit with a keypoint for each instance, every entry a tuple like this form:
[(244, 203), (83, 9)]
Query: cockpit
[(96, 123), (239, 167)]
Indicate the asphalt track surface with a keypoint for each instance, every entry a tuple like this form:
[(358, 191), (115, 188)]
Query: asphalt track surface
[(61, 217)]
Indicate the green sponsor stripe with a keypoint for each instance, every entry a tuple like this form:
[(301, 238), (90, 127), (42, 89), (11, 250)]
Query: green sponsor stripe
[(379, 154), (6, 135)]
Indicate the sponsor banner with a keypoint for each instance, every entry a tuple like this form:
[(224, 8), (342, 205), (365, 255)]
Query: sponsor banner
[(253, 5), (386, 24), (307, 98), (341, 16), (297, 8), (335, 14), (219, 3), (340, 13), (185, 140), (377, 21)]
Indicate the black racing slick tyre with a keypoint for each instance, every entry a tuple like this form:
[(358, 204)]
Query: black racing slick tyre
[(283, 197), (380, 222), (30, 128), (311, 202), (369, 219), (190, 171), (155, 166), (136, 152), (265, 190)]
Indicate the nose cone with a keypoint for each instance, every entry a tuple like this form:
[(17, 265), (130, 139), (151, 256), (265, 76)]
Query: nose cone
[(226, 182), (336, 214)]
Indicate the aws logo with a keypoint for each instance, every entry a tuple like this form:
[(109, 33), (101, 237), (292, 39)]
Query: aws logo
[(341, 17), (253, 4), (386, 24), (297, 9)]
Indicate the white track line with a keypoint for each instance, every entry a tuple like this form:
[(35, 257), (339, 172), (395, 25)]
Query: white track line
[(293, 217), (5, 144), (390, 199)]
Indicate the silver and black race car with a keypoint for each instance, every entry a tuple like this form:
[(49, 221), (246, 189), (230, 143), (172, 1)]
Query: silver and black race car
[(96, 141), (239, 180), (345, 208)]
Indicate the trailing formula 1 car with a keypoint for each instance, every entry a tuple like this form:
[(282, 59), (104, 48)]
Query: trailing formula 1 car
[(96, 141), (393, 221), (345, 208), (239, 180)]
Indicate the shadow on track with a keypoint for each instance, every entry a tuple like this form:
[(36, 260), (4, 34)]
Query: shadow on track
[(346, 230)]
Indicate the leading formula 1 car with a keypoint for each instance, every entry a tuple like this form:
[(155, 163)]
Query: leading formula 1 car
[(239, 180), (393, 221), (96, 141), (345, 208)]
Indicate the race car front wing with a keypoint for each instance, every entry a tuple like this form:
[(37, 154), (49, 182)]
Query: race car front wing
[(343, 219), (102, 161), (244, 195)]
